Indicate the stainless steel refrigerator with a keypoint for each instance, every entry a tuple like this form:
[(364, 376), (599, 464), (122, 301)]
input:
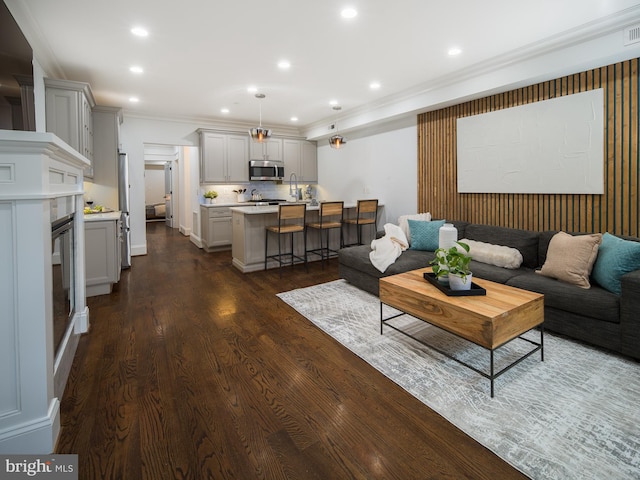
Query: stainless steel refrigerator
[(123, 206)]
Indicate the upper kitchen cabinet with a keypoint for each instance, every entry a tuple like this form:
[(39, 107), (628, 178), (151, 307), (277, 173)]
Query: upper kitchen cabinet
[(224, 158), (69, 108), (106, 140), (301, 158), (270, 149)]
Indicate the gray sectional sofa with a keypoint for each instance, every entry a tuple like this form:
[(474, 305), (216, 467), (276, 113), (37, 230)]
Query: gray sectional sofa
[(594, 315)]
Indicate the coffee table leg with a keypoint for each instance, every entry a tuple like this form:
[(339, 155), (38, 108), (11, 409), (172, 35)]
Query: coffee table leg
[(491, 352), (381, 322), (542, 342)]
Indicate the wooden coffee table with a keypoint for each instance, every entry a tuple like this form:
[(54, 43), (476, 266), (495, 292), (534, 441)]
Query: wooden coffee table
[(490, 321)]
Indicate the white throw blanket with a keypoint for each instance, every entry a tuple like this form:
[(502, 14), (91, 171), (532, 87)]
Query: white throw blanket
[(385, 250)]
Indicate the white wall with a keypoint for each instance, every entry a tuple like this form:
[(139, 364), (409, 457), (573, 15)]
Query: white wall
[(189, 183), (382, 165), (382, 161), (134, 133)]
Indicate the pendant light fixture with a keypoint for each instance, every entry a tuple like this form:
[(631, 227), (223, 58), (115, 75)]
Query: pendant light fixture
[(337, 140), (260, 134)]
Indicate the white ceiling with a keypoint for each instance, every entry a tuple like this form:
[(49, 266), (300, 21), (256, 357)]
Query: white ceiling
[(201, 55)]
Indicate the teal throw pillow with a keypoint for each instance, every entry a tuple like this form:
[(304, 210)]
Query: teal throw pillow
[(615, 258), (425, 235)]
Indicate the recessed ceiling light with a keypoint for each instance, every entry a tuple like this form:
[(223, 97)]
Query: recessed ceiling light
[(136, 69), (374, 85), (252, 89), (453, 51), (140, 31), (134, 99), (333, 102), (284, 65), (224, 110), (349, 12), (294, 119)]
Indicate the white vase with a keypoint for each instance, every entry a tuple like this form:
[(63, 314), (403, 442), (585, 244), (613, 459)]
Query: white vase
[(208, 200), (456, 282), (447, 236)]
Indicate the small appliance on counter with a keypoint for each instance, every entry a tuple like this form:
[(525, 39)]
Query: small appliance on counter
[(308, 192)]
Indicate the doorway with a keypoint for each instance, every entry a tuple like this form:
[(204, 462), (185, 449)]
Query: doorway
[(160, 172)]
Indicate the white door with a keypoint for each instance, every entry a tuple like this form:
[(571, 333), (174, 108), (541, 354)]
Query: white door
[(168, 194)]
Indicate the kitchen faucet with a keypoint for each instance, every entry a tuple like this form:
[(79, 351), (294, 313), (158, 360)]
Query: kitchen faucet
[(291, 194)]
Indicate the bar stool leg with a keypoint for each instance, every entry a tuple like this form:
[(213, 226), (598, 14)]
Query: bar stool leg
[(266, 247), (321, 250), (280, 255), (304, 234)]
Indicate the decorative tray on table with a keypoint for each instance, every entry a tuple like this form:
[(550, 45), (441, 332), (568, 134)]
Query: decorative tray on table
[(474, 290)]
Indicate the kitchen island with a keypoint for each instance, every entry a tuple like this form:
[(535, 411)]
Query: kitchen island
[(248, 234)]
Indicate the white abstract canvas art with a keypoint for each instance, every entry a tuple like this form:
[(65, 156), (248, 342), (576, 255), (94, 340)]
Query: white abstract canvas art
[(552, 146)]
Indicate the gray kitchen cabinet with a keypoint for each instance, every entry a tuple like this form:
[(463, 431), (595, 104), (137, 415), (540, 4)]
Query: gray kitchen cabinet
[(216, 228), (102, 253), (301, 158), (68, 114), (224, 157), (106, 138), (268, 150)]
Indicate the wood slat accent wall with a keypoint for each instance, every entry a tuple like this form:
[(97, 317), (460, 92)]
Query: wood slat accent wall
[(616, 211)]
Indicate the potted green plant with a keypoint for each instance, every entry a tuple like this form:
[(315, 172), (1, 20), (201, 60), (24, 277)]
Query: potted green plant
[(209, 195), (454, 264)]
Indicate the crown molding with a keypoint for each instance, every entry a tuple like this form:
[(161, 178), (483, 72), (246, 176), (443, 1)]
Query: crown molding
[(420, 98)]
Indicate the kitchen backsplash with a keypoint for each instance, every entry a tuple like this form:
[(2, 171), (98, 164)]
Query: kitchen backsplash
[(226, 192)]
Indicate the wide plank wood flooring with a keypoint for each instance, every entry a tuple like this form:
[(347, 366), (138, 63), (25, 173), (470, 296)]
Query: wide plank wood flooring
[(193, 370)]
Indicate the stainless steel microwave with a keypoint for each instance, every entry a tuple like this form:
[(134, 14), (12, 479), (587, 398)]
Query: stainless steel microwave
[(266, 170)]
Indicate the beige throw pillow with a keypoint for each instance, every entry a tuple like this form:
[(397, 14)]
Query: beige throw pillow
[(570, 258)]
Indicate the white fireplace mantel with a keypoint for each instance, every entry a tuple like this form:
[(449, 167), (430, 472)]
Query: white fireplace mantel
[(40, 180)]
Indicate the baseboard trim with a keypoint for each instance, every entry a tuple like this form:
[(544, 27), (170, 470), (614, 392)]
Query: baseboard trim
[(38, 436)]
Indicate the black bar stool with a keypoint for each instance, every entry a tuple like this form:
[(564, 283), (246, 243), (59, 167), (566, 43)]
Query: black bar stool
[(291, 219), (366, 214), (330, 217)]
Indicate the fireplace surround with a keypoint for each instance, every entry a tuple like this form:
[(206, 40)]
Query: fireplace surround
[(40, 186)]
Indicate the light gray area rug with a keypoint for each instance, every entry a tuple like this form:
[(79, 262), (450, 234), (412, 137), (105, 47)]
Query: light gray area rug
[(574, 416)]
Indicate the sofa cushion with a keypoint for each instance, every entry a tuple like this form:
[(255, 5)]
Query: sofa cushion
[(424, 235), (357, 258), (615, 258), (570, 258), (493, 273), (594, 302), (525, 241), (543, 245), (460, 225)]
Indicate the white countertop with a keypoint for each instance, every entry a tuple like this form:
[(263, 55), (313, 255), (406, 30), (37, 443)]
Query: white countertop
[(259, 209), (255, 209), (95, 217), (224, 204)]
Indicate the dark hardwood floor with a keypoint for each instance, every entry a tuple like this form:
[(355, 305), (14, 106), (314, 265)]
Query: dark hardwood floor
[(194, 370)]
